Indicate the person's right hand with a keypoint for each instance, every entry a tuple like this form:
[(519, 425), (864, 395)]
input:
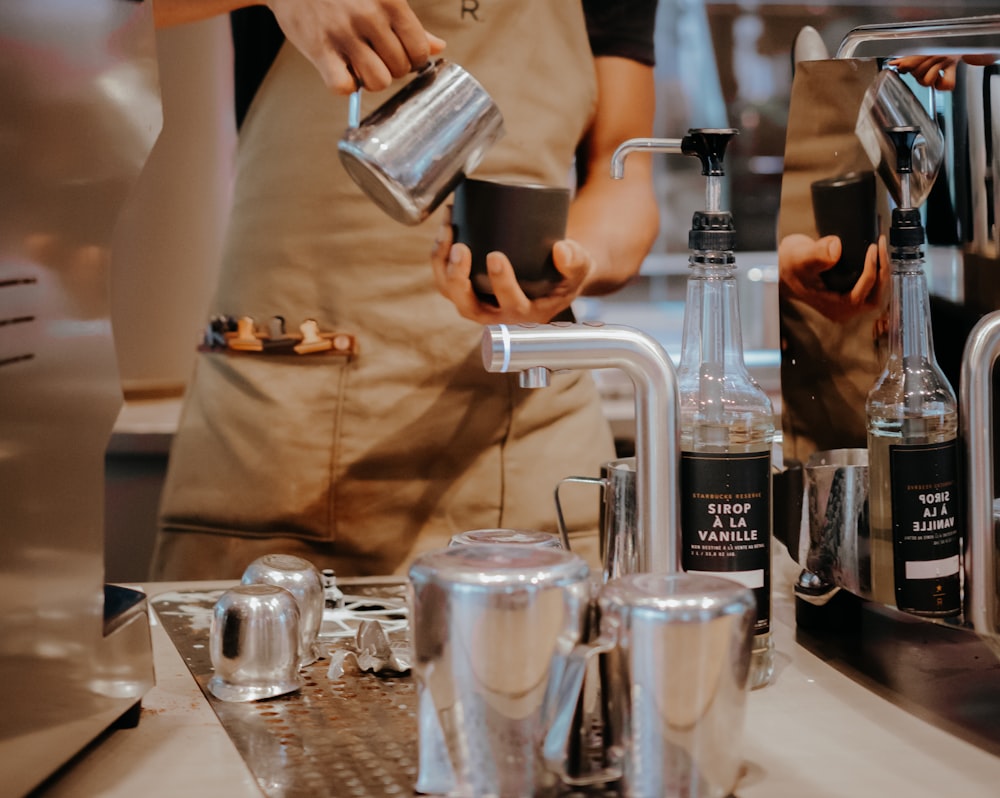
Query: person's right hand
[(801, 261), (938, 71), (355, 43)]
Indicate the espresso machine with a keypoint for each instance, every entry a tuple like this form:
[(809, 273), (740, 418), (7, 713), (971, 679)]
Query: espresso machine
[(80, 93)]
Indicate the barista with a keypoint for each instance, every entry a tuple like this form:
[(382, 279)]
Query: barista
[(360, 461)]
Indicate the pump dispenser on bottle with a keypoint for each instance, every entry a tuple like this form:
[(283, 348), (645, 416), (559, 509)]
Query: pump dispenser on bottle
[(912, 419), (727, 420)]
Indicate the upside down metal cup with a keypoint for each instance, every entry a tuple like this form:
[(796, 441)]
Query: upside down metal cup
[(302, 579), (254, 643), (491, 624), (678, 656)]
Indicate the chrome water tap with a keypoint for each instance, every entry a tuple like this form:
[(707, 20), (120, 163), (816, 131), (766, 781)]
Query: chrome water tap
[(536, 350), (982, 549)]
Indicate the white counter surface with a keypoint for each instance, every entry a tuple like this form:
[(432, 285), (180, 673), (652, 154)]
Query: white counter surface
[(813, 732)]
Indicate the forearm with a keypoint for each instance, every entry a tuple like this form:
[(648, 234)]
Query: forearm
[(177, 12), (617, 220)]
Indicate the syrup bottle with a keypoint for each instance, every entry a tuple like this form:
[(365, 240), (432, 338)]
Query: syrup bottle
[(912, 419), (727, 420)]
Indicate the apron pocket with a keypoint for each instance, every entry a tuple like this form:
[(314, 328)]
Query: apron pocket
[(256, 447)]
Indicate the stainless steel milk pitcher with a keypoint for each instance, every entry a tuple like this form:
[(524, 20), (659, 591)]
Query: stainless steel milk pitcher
[(492, 626), (618, 516), (409, 153), (677, 650)]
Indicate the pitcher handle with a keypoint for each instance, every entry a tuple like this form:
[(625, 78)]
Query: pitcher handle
[(354, 109), (560, 518), (354, 101), (555, 744)]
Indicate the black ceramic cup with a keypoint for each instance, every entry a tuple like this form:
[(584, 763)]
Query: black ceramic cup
[(522, 220), (844, 206)]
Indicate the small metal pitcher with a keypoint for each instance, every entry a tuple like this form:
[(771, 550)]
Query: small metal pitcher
[(492, 626), (618, 516), (840, 548), (411, 152)]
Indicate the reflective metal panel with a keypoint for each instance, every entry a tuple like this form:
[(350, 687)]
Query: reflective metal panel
[(81, 110)]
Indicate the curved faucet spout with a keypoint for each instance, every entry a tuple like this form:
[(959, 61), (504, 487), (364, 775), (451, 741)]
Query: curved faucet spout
[(560, 346), (982, 592), (635, 145)]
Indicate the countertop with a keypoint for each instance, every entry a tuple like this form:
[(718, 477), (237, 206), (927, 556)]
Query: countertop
[(815, 731)]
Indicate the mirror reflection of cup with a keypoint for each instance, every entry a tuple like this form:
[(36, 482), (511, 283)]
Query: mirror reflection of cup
[(844, 206), (522, 220)]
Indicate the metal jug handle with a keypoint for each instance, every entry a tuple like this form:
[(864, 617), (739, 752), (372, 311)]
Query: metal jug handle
[(560, 518), (354, 109), (354, 101), (555, 743)]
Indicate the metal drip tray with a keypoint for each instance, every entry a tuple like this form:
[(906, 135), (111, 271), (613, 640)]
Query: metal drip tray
[(353, 737)]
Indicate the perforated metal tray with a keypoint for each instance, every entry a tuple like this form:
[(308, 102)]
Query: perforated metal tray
[(351, 737)]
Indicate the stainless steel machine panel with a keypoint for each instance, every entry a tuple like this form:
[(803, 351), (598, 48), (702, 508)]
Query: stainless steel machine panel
[(81, 111)]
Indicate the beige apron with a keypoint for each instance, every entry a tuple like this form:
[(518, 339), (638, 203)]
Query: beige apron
[(361, 464)]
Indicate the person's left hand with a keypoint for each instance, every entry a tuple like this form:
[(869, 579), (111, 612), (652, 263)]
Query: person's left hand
[(452, 265), (802, 261)]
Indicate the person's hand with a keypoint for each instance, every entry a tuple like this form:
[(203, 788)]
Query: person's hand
[(452, 265), (938, 71), (356, 43), (801, 262)]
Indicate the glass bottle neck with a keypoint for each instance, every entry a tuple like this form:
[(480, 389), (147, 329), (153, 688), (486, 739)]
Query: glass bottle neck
[(712, 338), (910, 335)]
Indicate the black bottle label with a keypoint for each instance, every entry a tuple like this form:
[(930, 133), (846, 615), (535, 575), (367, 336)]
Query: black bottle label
[(926, 522), (726, 521)]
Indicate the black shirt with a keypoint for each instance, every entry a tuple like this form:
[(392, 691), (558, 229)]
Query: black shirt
[(615, 27), (621, 28)]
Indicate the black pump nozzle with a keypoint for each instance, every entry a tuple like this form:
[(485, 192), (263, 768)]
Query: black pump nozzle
[(708, 145), (712, 229)]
